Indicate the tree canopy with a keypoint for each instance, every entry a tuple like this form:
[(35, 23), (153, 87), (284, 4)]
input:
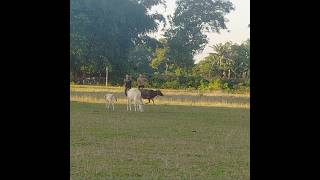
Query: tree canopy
[(190, 21), (103, 31), (115, 34)]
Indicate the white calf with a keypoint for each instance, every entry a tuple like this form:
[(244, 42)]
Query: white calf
[(110, 99), (134, 96)]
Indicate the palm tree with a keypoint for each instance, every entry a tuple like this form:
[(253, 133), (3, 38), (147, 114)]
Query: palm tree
[(224, 54)]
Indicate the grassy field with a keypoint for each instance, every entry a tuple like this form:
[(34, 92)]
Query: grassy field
[(165, 142)]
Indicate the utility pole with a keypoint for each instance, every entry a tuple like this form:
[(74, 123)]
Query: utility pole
[(107, 76)]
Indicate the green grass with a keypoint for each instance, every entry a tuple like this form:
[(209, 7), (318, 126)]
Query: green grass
[(159, 143)]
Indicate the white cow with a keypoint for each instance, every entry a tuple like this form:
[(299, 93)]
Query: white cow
[(134, 96), (110, 99)]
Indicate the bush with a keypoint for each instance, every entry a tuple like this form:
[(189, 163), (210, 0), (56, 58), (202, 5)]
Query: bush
[(172, 80), (172, 85), (193, 81), (183, 81), (203, 85), (226, 86), (215, 85), (157, 81), (241, 88)]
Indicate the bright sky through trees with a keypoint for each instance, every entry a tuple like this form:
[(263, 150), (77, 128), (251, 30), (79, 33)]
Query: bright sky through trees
[(239, 19)]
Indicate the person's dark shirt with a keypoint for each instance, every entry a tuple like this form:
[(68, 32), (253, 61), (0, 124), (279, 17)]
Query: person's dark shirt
[(127, 83)]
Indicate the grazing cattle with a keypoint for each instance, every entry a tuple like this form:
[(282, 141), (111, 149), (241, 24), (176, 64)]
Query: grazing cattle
[(110, 99), (150, 94), (134, 96)]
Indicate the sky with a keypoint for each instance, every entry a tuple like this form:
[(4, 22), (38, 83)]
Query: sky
[(239, 19)]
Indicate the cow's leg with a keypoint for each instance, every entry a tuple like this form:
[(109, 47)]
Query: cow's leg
[(113, 106), (135, 106), (140, 106), (152, 101), (128, 105)]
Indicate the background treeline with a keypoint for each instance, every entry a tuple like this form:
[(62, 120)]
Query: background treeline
[(114, 34)]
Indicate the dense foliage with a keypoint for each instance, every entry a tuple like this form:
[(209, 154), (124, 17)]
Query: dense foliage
[(114, 34)]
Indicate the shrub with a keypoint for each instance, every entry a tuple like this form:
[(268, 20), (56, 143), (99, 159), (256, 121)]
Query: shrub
[(215, 85), (172, 84), (203, 85)]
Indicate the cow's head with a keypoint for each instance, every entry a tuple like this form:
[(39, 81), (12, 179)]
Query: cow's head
[(159, 93)]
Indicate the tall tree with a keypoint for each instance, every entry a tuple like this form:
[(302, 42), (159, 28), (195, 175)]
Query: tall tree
[(103, 32), (223, 53), (229, 60), (160, 61), (190, 21)]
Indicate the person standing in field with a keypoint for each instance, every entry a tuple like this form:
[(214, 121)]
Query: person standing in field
[(127, 84), (141, 80)]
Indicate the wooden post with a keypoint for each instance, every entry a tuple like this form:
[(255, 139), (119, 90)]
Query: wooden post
[(106, 76)]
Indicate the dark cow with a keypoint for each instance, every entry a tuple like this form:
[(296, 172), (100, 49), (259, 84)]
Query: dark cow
[(150, 94)]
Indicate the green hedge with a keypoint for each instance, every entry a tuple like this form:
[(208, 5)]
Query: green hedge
[(172, 81)]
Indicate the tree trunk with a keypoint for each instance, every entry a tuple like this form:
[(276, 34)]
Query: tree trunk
[(166, 68)]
